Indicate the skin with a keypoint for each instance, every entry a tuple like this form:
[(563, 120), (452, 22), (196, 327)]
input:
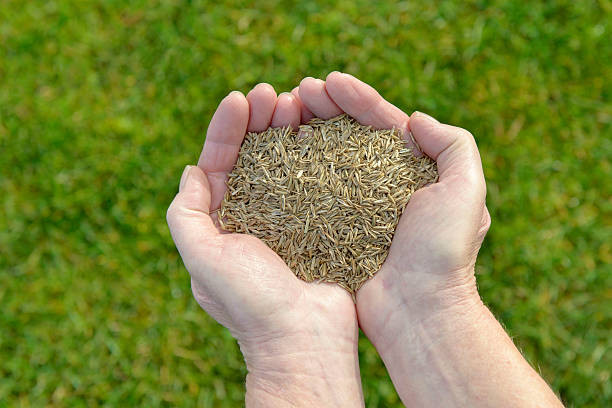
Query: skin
[(422, 311), (299, 340)]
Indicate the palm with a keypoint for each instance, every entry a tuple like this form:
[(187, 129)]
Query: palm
[(433, 232), (264, 296)]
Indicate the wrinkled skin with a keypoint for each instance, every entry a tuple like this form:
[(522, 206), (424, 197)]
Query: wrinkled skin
[(247, 288)]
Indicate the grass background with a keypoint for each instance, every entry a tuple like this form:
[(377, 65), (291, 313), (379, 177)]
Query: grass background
[(102, 103)]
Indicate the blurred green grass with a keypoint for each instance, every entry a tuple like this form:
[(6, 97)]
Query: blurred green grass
[(102, 103)]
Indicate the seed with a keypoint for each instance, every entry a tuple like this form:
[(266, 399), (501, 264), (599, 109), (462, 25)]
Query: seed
[(327, 198)]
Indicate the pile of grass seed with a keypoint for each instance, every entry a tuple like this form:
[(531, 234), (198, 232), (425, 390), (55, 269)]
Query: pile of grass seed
[(327, 198)]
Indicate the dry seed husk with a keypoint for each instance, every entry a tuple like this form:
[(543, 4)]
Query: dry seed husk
[(326, 198)]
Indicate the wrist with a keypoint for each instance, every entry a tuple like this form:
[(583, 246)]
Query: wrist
[(459, 354), (303, 369), (396, 303)]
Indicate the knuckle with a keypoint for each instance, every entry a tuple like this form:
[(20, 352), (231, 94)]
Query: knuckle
[(370, 107), (485, 223), (172, 211), (463, 134)]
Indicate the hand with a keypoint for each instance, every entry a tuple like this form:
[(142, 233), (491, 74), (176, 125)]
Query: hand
[(422, 311), (439, 234), (299, 340)]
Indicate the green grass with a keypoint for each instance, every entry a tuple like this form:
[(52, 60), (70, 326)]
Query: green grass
[(102, 103)]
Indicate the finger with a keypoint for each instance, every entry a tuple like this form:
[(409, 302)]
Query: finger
[(363, 102), (306, 113), (455, 152), (287, 111), (225, 134), (223, 139), (188, 216), (262, 100), (314, 95)]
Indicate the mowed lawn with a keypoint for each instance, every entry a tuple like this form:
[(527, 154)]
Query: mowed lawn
[(102, 104)]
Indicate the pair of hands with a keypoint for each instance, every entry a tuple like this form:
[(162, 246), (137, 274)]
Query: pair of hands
[(299, 340)]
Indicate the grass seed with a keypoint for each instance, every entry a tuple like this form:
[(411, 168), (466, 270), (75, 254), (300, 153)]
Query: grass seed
[(326, 198)]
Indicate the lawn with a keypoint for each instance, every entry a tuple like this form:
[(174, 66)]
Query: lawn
[(102, 103)]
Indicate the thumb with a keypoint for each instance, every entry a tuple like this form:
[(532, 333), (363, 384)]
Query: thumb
[(456, 154), (188, 216)]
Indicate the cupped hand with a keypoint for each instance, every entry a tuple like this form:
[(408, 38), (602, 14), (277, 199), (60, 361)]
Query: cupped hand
[(431, 260), (299, 340), (422, 312)]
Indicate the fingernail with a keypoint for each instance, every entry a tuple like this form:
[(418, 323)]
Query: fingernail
[(185, 177), (342, 75), (288, 95), (234, 93), (426, 116)]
